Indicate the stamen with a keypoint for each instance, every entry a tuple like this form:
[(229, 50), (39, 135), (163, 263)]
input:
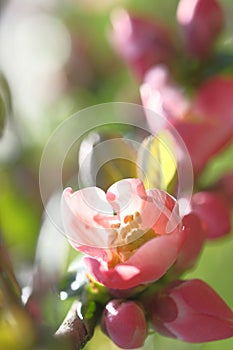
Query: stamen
[(138, 217), (133, 224), (128, 218), (124, 231), (112, 237), (117, 225)]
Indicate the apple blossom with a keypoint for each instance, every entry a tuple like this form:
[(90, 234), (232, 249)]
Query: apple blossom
[(132, 236)]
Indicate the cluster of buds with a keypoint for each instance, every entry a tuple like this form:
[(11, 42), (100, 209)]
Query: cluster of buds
[(134, 238)]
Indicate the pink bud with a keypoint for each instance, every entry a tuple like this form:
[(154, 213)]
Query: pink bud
[(191, 311), (124, 322), (214, 213), (140, 42), (201, 22), (192, 246)]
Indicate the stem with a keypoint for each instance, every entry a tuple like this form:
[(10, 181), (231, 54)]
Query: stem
[(74, 329)]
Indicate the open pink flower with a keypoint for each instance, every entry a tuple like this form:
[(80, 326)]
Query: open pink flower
[(191, 311), (132, 235)]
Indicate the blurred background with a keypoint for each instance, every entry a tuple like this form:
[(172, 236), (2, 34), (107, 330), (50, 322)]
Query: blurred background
[(56, 58)]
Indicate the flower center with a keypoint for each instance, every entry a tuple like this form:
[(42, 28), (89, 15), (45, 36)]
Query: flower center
[(126, 238)]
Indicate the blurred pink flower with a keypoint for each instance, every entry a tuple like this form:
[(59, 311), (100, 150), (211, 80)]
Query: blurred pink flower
[(209, 113), (201, 22), (191, 311), (124, 322), (213, 211), (140, 41), (135, 246)]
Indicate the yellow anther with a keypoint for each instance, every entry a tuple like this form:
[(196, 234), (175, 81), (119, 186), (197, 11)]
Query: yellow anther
[(128, 218), (117, 225)]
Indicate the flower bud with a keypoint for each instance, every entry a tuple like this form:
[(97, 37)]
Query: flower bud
[(201, 22), (190, 311), (214, 213), (124, 322), (140, 42)]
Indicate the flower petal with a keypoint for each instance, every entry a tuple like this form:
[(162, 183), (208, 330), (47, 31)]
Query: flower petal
[(192, 246), (146, 265), (127, 196), (79, 210), (190, 311)]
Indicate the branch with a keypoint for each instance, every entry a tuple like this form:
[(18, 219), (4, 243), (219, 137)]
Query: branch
[(74, 329)]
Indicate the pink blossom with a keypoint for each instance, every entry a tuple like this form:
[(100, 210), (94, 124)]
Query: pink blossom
[(214, 213), (124, 322), (201, 22), (210, 113), (135, 246), (191, 311), (140, 42)]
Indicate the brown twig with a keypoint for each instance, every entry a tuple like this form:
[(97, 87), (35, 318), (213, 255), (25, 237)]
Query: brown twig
[(74, 329)]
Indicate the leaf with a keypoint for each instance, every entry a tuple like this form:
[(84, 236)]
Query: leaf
[(156, 161)]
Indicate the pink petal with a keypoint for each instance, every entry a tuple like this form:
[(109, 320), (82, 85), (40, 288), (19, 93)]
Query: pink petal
[(199, 328), (78, 212), (192, 246), (127, 196), (147, 264), (191, 311), (203, 315), (164, 216), (202, 298)]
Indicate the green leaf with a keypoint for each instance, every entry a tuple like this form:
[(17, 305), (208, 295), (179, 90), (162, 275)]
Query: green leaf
[(156, 161)]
